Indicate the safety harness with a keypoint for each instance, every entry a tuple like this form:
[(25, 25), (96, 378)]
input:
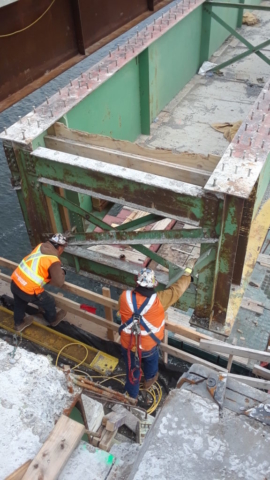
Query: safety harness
[(135, 322)]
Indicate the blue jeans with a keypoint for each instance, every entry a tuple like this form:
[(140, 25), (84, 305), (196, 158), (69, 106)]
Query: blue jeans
[(149, 368)]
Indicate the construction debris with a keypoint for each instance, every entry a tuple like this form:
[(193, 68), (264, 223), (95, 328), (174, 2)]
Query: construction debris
[(114, 420), (94, 412), (107, 393), (250, 19), (228, 129)]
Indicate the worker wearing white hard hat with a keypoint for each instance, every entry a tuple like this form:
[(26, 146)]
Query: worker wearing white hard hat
[(40, 267), (142, 312)]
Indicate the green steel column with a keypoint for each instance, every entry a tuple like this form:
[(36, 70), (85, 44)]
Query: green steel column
[(75, 219), (240, 15), (144, 91), (225, 260), (38, 222), (205, 36)]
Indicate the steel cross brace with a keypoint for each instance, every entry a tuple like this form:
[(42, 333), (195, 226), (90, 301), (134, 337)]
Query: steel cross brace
[(193, 235), (251, 48), (173, 269), (138, 223), (239, 57), (238, 5)]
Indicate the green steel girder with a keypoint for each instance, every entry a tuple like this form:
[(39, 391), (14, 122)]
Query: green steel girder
[(165, 197), (198, 235), (238, 6), (89, 216), (240, 56), (235, 33)]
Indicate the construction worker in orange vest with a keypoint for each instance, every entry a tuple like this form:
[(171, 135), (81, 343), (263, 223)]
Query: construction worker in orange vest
[(40, 267), (142, 327)]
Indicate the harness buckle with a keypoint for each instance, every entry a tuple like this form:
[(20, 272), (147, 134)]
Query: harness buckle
[(136, 329)]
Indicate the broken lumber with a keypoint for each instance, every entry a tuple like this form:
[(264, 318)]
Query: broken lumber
[(106, 440), (106, 392), (114, 420), (56, 451)]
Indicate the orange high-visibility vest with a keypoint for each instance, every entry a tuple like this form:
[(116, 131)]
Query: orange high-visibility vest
[(33, 271), (153, 315)]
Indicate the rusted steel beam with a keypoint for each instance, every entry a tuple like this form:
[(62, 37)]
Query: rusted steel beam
[(193, 235), (243, 237), (225, 261), (42, 117), (137, 189)]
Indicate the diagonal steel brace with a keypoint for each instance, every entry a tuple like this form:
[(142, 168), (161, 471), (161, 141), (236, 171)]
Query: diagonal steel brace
[(236, 34)]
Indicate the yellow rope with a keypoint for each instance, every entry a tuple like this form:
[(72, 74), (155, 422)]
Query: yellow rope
[(68, 345), (31, 24)]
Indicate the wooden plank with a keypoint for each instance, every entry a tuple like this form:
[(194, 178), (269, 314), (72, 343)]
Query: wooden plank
[(74, 308), (71, 288), (264, 260), (166, 169), (188, 357), (249, 304), (252, 382), (235, 350), (261, 372), (19, 473), (195, 160), (106, 292), (56, 451), (114, 420), (106, 440), (186, 331), (165, 341)]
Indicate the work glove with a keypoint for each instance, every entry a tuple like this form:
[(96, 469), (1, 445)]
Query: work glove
[(65, 272)]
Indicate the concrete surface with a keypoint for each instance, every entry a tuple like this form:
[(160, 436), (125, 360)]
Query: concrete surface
[(185, 123), (190, 440)]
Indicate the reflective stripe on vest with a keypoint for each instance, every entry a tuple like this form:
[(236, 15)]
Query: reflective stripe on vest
[(32, 272), (145, 310)]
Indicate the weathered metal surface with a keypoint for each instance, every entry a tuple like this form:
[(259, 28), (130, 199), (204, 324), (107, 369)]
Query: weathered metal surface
[(232, 215), (59, 104), (243, 237), (74, 26), (125, 186), (205, 284), (216, 386), (261, 413), (154, 236)]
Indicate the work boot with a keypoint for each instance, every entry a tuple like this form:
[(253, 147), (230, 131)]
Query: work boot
[(59, 317), (25, 323), (148, 383)]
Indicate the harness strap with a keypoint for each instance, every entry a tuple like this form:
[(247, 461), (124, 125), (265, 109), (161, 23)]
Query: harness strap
[(137, 311)]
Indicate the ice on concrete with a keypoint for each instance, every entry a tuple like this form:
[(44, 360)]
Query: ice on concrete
[(33, 394), (94, 412)]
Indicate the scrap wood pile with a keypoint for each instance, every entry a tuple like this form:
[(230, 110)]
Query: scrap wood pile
[(121, 411)]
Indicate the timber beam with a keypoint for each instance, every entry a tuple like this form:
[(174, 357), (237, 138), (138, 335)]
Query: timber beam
[(140, 190), (129, 160)]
